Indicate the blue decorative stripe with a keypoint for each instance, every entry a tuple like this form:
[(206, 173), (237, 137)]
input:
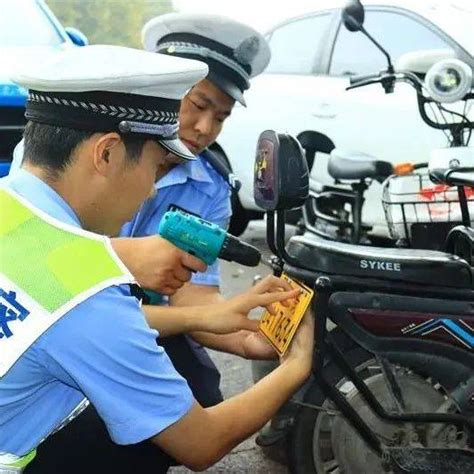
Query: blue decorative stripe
[(461, 333)]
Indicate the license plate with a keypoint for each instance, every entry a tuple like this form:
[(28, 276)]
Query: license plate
[(280, 328)]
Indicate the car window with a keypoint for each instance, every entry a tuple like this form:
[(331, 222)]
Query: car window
[(294, 45), (397, 33), (24, 23)]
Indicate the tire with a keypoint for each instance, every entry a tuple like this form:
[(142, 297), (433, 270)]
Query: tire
[(286, 414), (322, 442), (300, 442)]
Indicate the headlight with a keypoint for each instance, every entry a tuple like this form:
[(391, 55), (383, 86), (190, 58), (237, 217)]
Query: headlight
[(449, 80)]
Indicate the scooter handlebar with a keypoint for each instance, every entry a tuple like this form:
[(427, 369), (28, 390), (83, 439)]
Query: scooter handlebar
[(355, 80)]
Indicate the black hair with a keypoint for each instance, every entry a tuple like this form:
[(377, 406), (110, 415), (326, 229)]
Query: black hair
[(52, 147)]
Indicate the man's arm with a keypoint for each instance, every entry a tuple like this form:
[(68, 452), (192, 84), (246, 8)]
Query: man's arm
[(203, 436), (225, 317), (191, 293), (204, 289), (157, 264), (243, 343), (169, 321)]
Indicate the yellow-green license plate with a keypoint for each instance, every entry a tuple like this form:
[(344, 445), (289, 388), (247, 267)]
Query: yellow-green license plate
[(280, 328)]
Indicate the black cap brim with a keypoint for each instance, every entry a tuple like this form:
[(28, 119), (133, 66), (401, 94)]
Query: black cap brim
[(177, 147), (227, 86)]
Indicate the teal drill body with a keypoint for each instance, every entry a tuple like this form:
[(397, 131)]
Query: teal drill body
[(192, 234), (205, 240)]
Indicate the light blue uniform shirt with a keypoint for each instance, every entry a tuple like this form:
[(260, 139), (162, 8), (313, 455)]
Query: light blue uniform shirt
[(17, 159), (102, 349), (196, 187)]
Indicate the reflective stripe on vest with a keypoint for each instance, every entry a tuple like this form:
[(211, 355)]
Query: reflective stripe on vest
[(10, 464)]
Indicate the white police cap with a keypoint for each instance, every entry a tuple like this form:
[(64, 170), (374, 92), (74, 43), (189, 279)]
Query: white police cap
[(112, 88), (233, 51)]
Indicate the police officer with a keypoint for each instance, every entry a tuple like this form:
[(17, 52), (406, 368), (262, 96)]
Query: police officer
[(101, 120), (234, 53), (156, 263)]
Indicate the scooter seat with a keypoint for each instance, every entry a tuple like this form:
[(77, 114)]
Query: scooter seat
[(354, 165), (412, 266)]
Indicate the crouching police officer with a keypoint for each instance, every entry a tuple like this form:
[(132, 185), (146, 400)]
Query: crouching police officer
[(70, 327), (234, 52)]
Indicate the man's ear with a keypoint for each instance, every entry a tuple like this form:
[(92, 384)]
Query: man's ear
[(108, 153)]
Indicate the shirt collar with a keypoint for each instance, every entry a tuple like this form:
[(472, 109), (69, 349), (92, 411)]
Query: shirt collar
[(195, 170), (42, 196)]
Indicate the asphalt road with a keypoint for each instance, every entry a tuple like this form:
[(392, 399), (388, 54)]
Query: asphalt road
[(236, 372)]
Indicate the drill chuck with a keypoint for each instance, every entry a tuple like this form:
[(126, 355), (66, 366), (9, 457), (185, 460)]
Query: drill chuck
[(236, 250)]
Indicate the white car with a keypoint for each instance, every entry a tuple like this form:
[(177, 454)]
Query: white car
[(303, 88)]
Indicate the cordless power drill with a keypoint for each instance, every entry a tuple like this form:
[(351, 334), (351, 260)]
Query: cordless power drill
[(205, 240)]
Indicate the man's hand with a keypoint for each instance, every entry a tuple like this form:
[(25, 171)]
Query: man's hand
[(247, 344), (214, 431), (256, 347), (232, 315), (300, 352), (156, 263)]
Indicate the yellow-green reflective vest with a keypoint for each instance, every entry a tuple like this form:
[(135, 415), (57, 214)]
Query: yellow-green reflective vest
[(46, 269)]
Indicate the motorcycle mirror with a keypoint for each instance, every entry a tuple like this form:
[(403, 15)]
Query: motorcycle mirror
[(77, 36), (353, 15), (281, 177)]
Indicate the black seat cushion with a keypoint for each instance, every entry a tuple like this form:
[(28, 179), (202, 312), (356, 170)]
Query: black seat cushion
[(354, 165), (412, 266)]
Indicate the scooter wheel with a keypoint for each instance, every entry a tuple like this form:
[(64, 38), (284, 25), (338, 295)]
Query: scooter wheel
[(303, 456)]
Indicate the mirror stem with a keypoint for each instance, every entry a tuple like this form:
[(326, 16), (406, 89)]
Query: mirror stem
[(390, 68)]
